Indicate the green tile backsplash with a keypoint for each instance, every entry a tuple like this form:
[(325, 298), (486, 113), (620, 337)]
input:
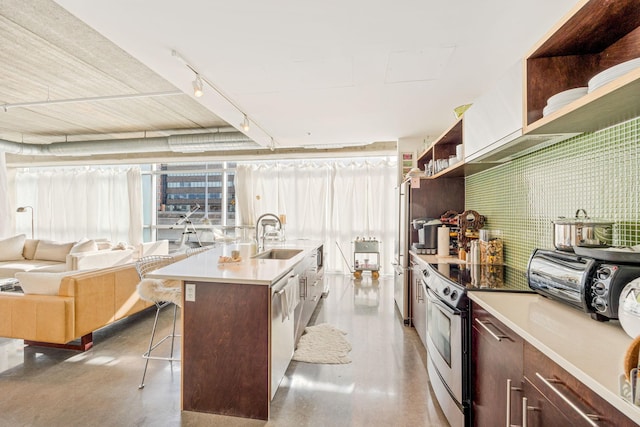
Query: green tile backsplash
[(598, 172)]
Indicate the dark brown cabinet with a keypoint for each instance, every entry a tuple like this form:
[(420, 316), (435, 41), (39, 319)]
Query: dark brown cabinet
[(497, 366), (578, 403), (515, 384), (595, 36), (539, 411)]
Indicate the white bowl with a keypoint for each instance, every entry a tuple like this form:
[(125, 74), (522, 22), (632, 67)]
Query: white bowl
[(567, 95), (612, 73)]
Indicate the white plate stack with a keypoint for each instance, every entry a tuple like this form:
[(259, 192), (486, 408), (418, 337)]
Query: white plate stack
[(561, 99), (612, 73)]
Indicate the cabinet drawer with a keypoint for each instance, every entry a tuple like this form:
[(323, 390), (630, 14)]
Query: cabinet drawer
[(574, 399), (490, 327)]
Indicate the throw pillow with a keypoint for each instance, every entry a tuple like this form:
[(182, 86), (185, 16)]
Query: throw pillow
[(30, 246), (84, 246), (102, 245), (48, 250), (41, 283), (11, 248)]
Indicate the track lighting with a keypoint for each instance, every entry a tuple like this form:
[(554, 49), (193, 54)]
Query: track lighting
[(259, 135), (197, 87), (245, 124)]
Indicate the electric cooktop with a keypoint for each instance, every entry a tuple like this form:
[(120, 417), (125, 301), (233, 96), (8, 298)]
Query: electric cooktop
[(484, 277)]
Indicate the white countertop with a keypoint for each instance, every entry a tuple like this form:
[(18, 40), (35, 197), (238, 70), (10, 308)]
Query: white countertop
[(591, 351), (204, 266)]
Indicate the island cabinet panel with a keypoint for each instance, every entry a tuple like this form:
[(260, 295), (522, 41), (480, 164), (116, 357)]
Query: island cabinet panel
[(497, 359), (225, 353)]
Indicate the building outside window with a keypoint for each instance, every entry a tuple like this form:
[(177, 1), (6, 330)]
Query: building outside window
[(188, 199)]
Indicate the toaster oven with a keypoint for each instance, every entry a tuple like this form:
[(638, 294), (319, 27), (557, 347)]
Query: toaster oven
[(584, 283)]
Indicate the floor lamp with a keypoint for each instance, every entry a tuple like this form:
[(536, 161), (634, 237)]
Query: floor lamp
[(24, 209)]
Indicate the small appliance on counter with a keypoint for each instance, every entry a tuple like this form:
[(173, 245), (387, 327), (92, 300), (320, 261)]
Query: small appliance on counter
[(427, 236), (589, 284)]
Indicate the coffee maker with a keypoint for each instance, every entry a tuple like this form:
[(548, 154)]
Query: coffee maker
[(427, 236)]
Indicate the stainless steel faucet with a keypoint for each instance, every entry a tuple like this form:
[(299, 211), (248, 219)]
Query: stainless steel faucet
[(261, 236)]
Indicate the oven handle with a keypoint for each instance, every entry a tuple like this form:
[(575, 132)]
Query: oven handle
[(434, 300)]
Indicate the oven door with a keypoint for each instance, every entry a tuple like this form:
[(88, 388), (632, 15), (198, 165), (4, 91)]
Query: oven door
[(444, 344)]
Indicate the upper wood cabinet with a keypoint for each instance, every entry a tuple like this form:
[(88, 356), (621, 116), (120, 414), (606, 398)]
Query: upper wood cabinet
[(441, 150), (508, 120), (595, 36)]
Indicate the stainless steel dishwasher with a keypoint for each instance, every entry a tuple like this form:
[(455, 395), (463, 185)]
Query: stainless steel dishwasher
[(285, 296)]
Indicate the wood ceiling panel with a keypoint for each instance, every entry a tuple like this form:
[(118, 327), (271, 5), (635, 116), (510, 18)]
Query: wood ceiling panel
[(49, 54)]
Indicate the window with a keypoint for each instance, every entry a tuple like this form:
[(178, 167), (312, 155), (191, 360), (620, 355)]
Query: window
[(192, 191)]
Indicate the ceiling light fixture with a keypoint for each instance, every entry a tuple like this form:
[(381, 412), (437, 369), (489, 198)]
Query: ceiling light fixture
[(197, 86), (245, 124), (259, 135)]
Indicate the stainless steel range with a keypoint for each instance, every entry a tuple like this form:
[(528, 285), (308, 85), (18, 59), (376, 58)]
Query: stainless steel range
[(449, 328)]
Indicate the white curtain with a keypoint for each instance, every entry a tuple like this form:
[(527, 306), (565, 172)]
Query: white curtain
[(363, 205), (71, 204), (333, 202), (5, 204)]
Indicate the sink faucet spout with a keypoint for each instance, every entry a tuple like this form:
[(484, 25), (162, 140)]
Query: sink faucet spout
[(259, 235)]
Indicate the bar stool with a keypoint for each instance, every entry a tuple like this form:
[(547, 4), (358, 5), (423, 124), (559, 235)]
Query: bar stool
[(161, 293)]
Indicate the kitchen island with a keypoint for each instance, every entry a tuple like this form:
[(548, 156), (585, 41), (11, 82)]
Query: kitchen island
[(590, 351), (227, 326)]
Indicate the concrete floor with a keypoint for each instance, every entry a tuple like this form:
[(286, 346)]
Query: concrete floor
[(385, 385)]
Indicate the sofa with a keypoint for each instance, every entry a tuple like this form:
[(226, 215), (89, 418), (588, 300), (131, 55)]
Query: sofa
[(84, 302), (62, 308), (19, 254)]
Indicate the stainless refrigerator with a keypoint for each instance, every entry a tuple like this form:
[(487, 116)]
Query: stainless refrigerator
[(401, 252)]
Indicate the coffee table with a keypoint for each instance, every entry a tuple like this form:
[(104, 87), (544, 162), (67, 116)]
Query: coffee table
[(10, 284)]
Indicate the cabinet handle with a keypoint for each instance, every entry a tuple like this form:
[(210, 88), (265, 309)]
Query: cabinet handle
[(303, 291), (525, 409), (509, 402), (509, 390), (589, 418), (484, 324)]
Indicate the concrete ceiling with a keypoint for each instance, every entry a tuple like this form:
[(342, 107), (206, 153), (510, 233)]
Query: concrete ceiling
[(337, 72)]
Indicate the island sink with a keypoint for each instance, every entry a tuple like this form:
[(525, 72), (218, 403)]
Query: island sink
[(278, 254)]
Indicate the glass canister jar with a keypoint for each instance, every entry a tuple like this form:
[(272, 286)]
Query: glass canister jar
[(491, 247)]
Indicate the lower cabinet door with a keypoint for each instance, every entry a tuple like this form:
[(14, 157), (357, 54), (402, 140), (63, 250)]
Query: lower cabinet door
[(496, 371), (580, 405), (537, 411), (419, 307)]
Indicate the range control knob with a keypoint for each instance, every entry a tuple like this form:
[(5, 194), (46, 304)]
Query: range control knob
[(599, 288), (599, 304), (454, 295), (446, 290), (604, 273)]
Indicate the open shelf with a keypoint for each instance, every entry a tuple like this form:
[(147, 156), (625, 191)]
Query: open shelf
[(595, 36), (441, 149)]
